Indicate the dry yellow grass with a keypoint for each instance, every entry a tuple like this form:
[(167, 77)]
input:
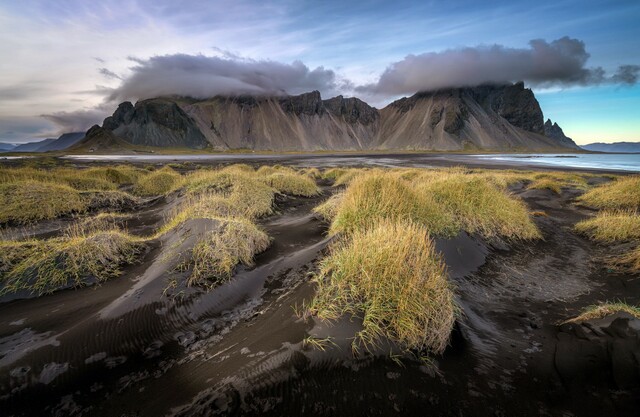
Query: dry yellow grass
[(603, 310), (546, 184), (444, 202), (622, 193), (329, 209), (375, 197), (630, 260), (611, 226), (42, 266), (292, 184), (160, 182), (29, 201), (390, 276), (214, 258)]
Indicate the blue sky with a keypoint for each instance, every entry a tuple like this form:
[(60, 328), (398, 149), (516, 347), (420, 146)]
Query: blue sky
[(64, 64)]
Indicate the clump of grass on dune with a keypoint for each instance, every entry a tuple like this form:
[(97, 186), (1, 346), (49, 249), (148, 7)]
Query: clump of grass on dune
[(631, 260), (622, 193), (29, 201), (266, 170), (46, 265), (112, 200), (87, 183), (444, 203), (313, 173), (390, 276), (611, 226), (214, 258), (329, 209), (118, 175), (605, 309), (332, 174), (481, 207), (160, 182), (375, 197), (546, 184), (292, 184)]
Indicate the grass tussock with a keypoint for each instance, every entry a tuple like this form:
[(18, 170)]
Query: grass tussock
[(92, 179), (293, 184), (630, 260), (329, 209), (390, 276), (29, 201), (214, 258), (621, 194), (611, 226), (444, 202), (603, 310), (546, 184), (160, 182), (42, 266)]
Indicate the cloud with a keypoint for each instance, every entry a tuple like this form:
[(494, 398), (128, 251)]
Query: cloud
[(109, 74), (201, 76), (561, 62), (79, 120)]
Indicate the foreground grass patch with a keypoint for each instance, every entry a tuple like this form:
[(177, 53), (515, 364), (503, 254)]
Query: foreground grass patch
[(603, 310), (215, 257), (44, 266), (611, 226), (29, 201), (620, 194), (293, 184), (390, 276), (158, 182), (630, 260), (444, 202)]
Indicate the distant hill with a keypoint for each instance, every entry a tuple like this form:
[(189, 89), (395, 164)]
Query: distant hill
[(4, 147), (618, 147), (32, 146), (492, 117), (65, 141)]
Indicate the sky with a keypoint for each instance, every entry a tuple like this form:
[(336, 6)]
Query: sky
[(65, 65)]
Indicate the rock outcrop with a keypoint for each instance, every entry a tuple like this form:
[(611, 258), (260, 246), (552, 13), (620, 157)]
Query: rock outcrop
[(506, 117), (555, 132)]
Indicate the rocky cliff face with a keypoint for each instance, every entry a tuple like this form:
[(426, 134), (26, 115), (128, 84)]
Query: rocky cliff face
[(555, 132), (155, 122), (487, 117)]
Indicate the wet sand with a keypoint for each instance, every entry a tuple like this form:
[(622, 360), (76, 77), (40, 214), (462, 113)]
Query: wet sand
[(238, 350)]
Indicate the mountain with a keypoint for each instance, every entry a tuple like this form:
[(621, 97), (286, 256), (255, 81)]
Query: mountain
[(100, 140), (63, 142), (494, 117), (554, 131), (4, 147), (617, 147), (32, 146)]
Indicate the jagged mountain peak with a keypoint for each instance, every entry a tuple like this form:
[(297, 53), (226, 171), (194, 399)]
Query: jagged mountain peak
[(488, 116)]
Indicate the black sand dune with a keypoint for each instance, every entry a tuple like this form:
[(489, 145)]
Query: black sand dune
[(122, 349)]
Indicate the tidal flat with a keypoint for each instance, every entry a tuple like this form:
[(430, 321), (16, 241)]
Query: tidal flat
[(221, 288)]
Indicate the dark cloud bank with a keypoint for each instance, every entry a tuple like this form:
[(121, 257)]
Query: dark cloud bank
[(544, 64), (201, 76), (560, 63)]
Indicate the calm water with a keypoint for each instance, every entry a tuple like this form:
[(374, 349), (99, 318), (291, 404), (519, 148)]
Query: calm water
[(614, 162), (618, 162)]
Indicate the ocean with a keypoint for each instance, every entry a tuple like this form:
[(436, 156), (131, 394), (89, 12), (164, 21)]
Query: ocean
[(610, 161)]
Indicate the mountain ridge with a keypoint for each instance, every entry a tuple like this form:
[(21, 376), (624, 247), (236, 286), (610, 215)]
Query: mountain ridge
[(488, 117), (615, 147)]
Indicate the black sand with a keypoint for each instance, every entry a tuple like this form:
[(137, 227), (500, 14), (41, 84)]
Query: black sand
[(238, 350)]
